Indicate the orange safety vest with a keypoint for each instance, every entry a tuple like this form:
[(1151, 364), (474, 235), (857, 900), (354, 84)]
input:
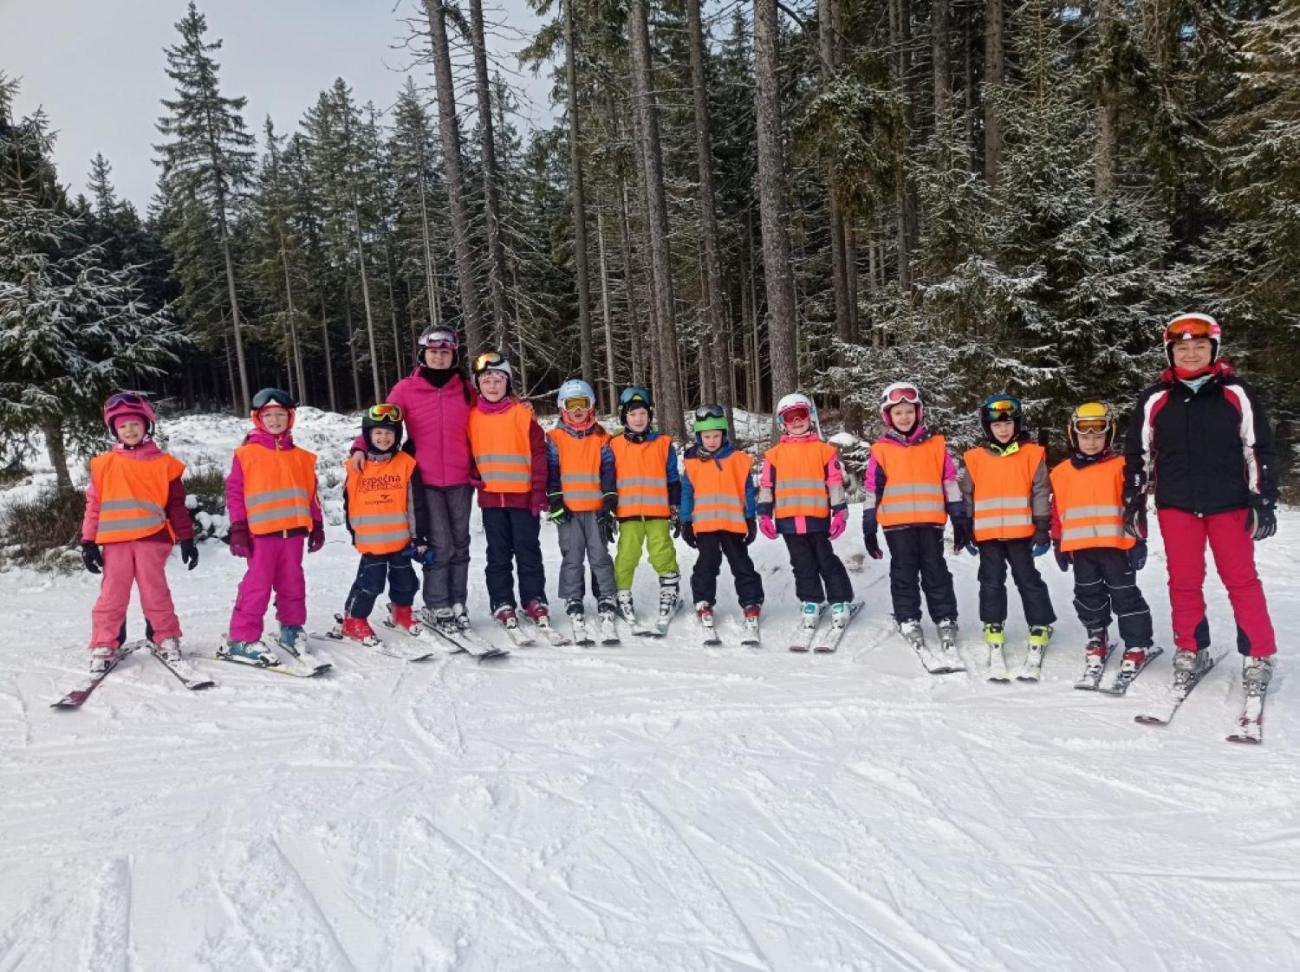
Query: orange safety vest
[(580, 468), (279, 486), (913, 482), (718, 486), (800, 487), (642, 473), (377, 504), (499, 442), (1090, 504), (1004, 487), (132, 495)]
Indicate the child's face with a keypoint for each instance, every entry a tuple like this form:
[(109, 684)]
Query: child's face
[(274, 419), (438, 358), (492, 385), (382, 439), (130, 431), (1090, 443), (797, 423), (711, 440), (1003, 431), (1193, 354), (903, 415), (578, 414), (638, 419)]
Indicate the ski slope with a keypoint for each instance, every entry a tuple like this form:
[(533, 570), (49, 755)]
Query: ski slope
[(653, 806)]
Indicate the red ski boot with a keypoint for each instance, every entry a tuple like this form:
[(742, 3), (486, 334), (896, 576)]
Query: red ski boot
[(358, 630), (401, 617)]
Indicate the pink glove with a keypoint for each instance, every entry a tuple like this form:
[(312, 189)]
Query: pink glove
[(839, 520), (241, 541), (767, 526)]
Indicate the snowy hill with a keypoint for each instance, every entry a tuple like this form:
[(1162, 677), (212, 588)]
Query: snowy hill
[(653, 806)]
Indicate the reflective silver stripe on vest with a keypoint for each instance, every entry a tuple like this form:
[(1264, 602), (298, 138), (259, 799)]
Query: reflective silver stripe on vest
[(275, 495), (719, 499), (628, 497), (378, 519), (1002, 503), (505, 457), (800, 484), (1093, 532), (122, 526), (1083, 512), (642, 481), (913, 498), (384, 537), (996, 522), (579, 486), (279, 512), (130, 504), (495, 475)]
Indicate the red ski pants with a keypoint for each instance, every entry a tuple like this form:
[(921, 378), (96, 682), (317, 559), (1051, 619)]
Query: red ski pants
[(1233, 547), (141, 563)]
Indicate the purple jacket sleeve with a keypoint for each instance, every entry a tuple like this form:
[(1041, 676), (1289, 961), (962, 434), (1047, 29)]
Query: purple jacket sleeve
[(235, 508), (177, 513), (90, 520), (540, 467)]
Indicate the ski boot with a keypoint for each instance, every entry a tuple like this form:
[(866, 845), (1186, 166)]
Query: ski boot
[(402, 618), (1097, 650), (573, 607), (1189, 666), (753, 615), (506, 617), (995, 638), (1039, 637), (947, 635), (539, 612), (667, 601), (626, 608), (913, 634), (1134, 659), (293, 639), (608, 612), (169, 650), (358, 630), (103, 658), (440, 619), (1256, 671), (247, 652), (704, 615), (810, 612), (460, 617)]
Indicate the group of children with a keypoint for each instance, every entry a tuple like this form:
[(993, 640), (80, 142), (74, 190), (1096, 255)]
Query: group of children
[(1004, 505)]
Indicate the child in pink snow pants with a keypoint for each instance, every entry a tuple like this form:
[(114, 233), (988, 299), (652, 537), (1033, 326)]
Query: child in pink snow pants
[(274, 513), (135, 511)]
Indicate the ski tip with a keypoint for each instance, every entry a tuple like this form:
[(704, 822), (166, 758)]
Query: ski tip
[(1150, 720)]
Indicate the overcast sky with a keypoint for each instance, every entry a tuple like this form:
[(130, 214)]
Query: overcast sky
[(97, 67)]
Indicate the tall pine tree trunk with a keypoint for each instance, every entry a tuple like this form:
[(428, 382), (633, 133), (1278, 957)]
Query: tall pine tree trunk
[(234, 314), (365, 301), (994, 76), (839, 270), (55, 448), (670, 409), (329, 362), (610, 375), (431, 288), (777, 274), (711, 257), (449, 135), (295, 349), (579, 198), (629, 287), (1107, 112), (491, 197)]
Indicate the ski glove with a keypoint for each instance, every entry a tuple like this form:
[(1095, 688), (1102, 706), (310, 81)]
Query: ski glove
[(688, 534), (608, 527), (1135, 517), (241, 541), (768, 526), (751, 531), (1262, 522), (316, 539), (839, 520), (559, 513), (419, 549), (1063, 559), (1042, 539), (189, 554), (91, 557), (1137, 555), (675, 522), (872, 540), (961, 534)]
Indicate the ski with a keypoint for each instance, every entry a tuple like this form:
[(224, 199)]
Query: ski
[(1124, 679), (554, 637), (950, 661), (709, 637), (469, 642), (1031, 670), (998, 664), (379, 644), (751, 637), (609, 636), (830, 637), (1093, 672), (297, 671), (934, 662), (581, 633), (1250, 724), (186, 673), (74, 698), (517, 635), (807, 634), (1175, 696)]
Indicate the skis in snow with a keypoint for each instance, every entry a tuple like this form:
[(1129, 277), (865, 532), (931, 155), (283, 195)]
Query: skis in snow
[(78, 695), (1250, 723), (466, 640), (184, 672), (946, 661), (807, 631), (659, 627), (1175, 695), (309, 669), (1126, 676)]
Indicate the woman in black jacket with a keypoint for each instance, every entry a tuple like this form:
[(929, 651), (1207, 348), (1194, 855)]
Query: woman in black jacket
[(1200, 436)]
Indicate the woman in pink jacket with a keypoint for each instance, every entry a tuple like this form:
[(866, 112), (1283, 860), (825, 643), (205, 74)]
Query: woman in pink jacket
[(436, 399)]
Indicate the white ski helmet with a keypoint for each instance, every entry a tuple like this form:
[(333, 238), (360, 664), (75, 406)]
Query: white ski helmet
[(898, 393), (574, 388), (797, 400)]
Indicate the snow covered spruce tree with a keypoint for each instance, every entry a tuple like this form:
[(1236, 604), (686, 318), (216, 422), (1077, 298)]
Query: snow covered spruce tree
[(71, 328)]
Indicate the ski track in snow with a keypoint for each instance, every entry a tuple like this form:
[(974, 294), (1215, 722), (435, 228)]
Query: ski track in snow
[(649, 806)]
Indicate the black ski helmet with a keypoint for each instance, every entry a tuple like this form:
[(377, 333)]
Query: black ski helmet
[(385, 415)]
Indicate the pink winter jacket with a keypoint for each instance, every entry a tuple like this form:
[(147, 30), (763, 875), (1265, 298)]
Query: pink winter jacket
[(235, 508), (437, 421), (177, 515)]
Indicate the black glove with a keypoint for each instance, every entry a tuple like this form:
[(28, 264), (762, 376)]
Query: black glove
[(872, 540), (1262, 522), (961, 533), (675, 522), (91, 557), (1135, 517), (1137, 555), (608, 528), (1063, 559), (1042, 538), (189, 554), (559, 512), (751, 530), (688, 534)]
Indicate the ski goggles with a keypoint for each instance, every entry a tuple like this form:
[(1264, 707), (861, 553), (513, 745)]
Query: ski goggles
[(634, 396), (796, 414), (1190, 328), (1091, 426), (710, 411), (488, 359), (1091, 417), (573, 404), (439, 340), (902, 395), (1003, 410), (385, 412), (274, 396), (124, 398)]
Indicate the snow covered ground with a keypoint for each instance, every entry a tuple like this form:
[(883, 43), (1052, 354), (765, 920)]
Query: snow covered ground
[(653, 806)]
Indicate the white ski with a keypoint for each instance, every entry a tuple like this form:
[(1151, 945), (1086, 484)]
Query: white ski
[(830, 637)]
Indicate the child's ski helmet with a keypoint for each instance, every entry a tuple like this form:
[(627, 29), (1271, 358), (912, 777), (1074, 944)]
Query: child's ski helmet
[(1091, 417), (1000, 407), (273, 396), (710, 418), (1187, 327), (575, 388), (494, 361), (122, 405), (898, 393), (634, 397), (385, 415), (793, 403)]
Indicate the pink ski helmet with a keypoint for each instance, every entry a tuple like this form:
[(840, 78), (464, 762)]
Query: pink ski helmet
[(122, 405)]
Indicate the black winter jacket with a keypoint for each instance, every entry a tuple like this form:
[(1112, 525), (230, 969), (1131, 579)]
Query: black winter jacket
[(1207, 451)]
